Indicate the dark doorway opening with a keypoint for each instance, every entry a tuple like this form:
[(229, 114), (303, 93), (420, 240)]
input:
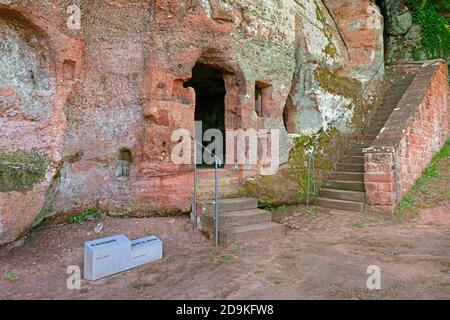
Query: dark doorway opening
[(209, 87)]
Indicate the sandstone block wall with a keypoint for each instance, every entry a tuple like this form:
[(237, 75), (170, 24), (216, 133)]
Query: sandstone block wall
[(415, 131)]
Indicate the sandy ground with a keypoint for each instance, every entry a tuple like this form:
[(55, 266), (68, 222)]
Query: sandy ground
[(326, 255)]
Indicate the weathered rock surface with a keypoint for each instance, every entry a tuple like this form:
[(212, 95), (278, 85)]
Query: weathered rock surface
[(86, 101)]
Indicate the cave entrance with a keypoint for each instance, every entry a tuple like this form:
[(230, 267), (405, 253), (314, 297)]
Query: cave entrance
[(209, 86)]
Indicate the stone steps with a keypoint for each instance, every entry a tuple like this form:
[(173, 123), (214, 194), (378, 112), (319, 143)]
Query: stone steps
[(343, 194), (251, 233), (228, 205), (354, 151), (345, 189), (339, 204), (353, 159), (365, 137), (344, 185), (349, 167), (360, 144), (240, 221), (346, 176), (237, 218)]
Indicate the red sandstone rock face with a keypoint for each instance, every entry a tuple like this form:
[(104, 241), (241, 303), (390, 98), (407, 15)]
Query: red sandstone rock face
[(32, 102), (361, 25), (117, 85)]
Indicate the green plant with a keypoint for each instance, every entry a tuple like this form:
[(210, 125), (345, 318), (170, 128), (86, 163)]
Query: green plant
[(259, 271), (237, 249), (358, 225), (406, 208), (140, 287), (11, 277), (87, 214), (435, 30), (225, 258), (276, 280), (298, 157), (184, 228), (433, 170), (167, 260), (426, 192)]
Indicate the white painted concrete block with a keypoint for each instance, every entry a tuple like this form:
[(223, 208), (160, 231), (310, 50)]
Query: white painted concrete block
[(146, 250), (107, 256)]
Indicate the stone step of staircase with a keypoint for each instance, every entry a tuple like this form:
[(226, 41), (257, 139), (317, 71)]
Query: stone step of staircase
[(346, 176), (360, 144), (354, 151), (339, 204), (228, 205), (240, 221), (251, 233), (370, 137), (350, 167), (373, 130), (353, 159), (382, 117), (342, 194), (344, 185), (236, 218), (378, 125)]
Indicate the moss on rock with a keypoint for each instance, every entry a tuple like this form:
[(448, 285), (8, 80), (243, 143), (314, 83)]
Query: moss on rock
[(273, 190), (290, 185), (330, 48), (20, 170), (337, 84)]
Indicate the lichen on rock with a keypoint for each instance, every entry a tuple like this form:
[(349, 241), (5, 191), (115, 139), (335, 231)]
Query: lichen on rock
[(21, 169)]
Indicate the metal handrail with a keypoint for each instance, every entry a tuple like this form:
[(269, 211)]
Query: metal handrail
[(311, 162), (217, 163)]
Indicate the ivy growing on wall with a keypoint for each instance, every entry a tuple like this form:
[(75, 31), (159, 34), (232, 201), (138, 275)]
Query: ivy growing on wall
[(435, 30)]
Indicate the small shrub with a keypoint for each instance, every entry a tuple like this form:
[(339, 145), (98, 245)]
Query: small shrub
[(184, 228), (11, 277), (225, 258), (87, 214)]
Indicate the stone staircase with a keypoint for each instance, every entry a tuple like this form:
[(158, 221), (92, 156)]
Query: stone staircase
[(240, 221), (344, 189)]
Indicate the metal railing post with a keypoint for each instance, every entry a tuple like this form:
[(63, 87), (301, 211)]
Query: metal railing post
[(217, 162), (216, 191), (314, 170), (194, 205), (309, 171)]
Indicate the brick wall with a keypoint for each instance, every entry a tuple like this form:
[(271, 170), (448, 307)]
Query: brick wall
[(414, 132)]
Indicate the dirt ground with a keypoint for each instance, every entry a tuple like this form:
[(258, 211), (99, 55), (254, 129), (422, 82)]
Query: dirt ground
[(325, 254)]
